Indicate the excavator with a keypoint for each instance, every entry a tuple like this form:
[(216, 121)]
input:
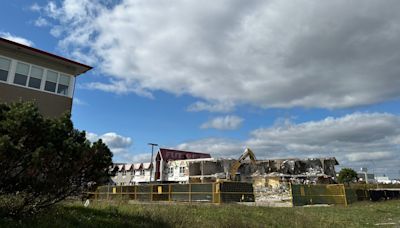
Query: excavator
[(235, 166)]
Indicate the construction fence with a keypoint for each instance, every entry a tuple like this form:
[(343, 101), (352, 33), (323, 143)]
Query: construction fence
[(340, 194), (375, 192), (220, 192), (322, 194)]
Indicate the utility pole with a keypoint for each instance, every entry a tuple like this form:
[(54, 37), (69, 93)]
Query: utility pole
[(151, 161)]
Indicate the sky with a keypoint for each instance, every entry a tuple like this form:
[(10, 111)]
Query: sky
[(302, 78)]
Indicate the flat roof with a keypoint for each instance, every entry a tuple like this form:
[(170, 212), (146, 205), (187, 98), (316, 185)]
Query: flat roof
[(80, 67)]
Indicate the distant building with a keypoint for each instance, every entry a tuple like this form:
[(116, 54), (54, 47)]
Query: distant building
[(165, 155), (371, 177), (30, 74), (131, 174), (383, 180)]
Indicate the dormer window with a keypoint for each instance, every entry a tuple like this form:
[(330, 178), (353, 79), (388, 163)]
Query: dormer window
[(21, 74), (4, 68)]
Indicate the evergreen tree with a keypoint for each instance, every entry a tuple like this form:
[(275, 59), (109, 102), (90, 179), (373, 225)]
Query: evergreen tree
[(43, 160)]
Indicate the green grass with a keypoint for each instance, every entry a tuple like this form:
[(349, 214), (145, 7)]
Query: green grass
[(361, 214)]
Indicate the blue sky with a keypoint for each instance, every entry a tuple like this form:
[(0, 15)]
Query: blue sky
[(286, 79)]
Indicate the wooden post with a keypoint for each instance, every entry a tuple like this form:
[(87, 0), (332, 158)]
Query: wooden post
[(344, 195), (190, 193), (169, 192), (151, 192), (135, 192), (291, 193), (202, 171)]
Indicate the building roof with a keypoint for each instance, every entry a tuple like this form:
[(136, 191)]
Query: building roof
[(80, 67), (128, 167), (146, 165), (169, 154), (137, 166)]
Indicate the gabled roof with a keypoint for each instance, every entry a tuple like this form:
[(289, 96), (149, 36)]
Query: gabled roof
[(128, 167), (137, 166), (146, 165), (80, 67), (170, 154)]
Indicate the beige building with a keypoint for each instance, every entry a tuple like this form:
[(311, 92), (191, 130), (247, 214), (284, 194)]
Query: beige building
[(30, 74)]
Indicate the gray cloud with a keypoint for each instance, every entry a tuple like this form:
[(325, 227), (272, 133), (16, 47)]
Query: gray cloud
[(328, 54), (359, 139)]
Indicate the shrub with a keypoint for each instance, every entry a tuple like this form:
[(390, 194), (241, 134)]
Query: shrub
[(43, 161)]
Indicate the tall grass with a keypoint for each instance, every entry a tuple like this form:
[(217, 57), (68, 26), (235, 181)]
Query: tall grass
[(363, 214)]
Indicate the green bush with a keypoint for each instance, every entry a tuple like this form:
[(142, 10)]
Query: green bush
[(43, 161)]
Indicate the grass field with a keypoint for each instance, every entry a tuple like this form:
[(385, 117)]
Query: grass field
[(362, 214)]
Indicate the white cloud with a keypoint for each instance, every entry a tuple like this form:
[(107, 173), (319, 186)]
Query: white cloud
[(113, 140), (78, 101), (223, 123), (118, 144), (264, 53), (211, 107), (358, 139), (137, 158), (92, 137), (121, 147), (41, 22), (17, 39), (35, 7), (118, 87)]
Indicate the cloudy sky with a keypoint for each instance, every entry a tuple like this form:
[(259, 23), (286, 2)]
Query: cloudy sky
[(285, 78)]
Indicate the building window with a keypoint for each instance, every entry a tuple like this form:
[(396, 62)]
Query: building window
[(124, 173), (35, 78), (142, 172), (51, 81), (21, 74), (132, 172), (181, 170), (4, 68), (171, 171), (63, 85)]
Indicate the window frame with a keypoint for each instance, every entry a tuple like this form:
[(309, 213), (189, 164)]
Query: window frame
[(182, 170), (9, 68), (27, 75), (12, 72), (30, 76), (170, 171)]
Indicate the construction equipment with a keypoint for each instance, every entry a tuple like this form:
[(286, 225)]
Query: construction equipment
[(235, 166)]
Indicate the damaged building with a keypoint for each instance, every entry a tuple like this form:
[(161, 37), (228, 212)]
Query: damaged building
[(316, 170), (178, 166)]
